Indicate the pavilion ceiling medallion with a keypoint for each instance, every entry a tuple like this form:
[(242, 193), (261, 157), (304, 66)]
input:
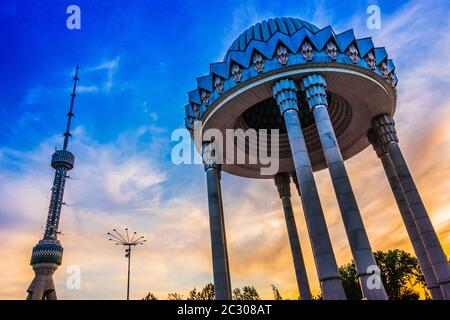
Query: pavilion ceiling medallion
[(258, 62), (204, 96), (392, 79), (384, 69), (218, 84), (307, 50), (236, 72), (331, 50), (282, 54), (353, 53), (196, 109), (371, 61)]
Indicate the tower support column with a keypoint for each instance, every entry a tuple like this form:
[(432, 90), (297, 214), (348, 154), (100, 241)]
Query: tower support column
[(221, 272), (384, 127), (314, 87), (408, 219), (42, 287), (282, 182), (285, 94)]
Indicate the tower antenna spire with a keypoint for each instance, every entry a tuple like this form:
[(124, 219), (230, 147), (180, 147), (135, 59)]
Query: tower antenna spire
[(70, 114)]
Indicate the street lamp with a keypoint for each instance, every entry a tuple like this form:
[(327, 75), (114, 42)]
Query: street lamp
[(126, 241)]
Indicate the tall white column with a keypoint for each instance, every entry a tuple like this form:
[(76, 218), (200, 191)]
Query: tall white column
[(384, 127), (221, 272), (282, 181), (314, 87), (285, 94), (408, 219)]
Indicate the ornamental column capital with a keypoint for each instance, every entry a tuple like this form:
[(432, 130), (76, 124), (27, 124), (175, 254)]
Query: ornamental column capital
[(213, 165), (295, 181), (375, 141), (282, 181), (384, 127), (285, 93), (314, 87), (208, 156)]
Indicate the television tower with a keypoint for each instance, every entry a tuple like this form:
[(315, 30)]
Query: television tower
[(47, 253)]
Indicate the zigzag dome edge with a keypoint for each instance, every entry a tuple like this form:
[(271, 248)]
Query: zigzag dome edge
[(284, 47)]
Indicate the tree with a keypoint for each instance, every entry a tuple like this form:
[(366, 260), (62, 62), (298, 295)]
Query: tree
[(207, 293), (174, 296), (319, 296), (247, 293), (276, 293), (150, 296), (350, 281), (400, 272)]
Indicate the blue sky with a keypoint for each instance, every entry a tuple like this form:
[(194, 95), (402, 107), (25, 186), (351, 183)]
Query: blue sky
[(156, 49), (138, 60)]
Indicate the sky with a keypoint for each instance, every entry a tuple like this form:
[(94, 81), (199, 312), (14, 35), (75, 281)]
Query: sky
[(138, 60)]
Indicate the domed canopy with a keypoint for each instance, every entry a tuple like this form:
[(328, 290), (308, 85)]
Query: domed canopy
[(237, 93), (265, 29)]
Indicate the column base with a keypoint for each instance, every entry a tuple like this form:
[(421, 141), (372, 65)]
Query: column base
[(332, 289)]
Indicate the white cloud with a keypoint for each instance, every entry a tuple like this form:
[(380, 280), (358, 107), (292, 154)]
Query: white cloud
[(109, 67), (87, 89), (32, 97)]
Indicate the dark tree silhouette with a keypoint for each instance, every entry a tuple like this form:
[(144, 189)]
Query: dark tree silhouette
[(207, 293), (400, 272), (150, 296), (174, 296), (276, 293), (350, 281), (247, 293)]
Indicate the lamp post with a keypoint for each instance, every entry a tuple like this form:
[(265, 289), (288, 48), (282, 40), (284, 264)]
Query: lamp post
[(126, 241)]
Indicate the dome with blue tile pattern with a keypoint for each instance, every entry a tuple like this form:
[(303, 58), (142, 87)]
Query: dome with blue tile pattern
[(237, 93), (262, 31)]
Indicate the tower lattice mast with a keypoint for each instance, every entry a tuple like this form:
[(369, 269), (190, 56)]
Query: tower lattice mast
[(47, 254)]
